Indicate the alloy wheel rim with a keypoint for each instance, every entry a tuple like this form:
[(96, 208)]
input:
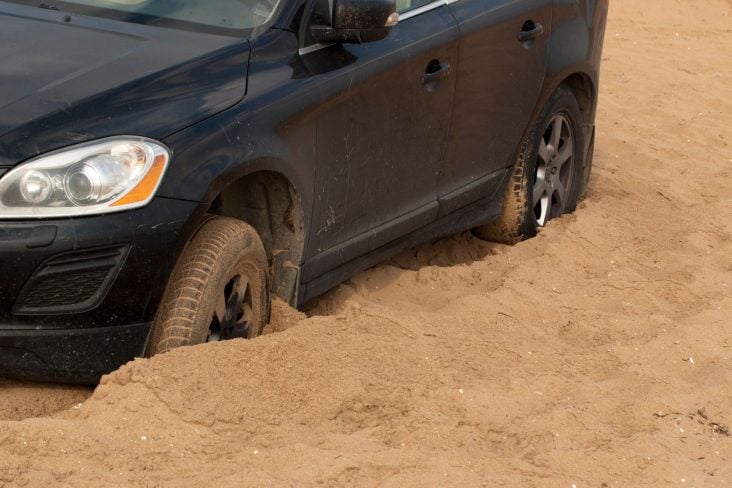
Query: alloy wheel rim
[(233, 313), (554, 170)]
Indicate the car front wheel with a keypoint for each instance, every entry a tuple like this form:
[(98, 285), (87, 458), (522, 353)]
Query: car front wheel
[(217, 291)]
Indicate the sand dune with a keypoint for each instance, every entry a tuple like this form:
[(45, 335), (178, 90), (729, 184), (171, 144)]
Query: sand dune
[(597, 354)]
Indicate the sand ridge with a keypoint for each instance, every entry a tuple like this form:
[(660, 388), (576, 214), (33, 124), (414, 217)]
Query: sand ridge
[(597, 354)]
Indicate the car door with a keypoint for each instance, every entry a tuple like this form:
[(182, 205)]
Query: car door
[(381, 134), (501, 69)]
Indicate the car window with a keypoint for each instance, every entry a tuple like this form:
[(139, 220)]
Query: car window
[(219, 14), (405, 5)]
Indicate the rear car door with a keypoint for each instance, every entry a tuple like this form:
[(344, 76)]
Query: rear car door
[(501, 69), (381, 135)]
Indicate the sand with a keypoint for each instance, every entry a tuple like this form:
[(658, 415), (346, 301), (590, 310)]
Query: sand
[(598, 354)]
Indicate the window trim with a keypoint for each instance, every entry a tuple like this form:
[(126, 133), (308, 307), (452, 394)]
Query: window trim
[(424, 8)]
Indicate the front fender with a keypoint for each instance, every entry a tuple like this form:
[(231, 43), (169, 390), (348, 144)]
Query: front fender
[(575, 46)]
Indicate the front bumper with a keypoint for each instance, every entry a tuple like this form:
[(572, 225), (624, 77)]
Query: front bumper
[(77, 296), (70, 355)]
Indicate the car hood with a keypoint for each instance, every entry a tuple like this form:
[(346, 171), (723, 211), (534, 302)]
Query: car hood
[(67, 79)]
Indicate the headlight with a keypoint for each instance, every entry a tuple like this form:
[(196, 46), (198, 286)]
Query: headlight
[(108, 175)]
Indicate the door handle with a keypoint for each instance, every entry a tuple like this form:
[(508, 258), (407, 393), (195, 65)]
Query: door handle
[(436, 71), (531, 30)]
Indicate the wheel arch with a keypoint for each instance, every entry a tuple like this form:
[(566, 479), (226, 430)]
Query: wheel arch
[(583, 85), (269, 202), (584, 91)]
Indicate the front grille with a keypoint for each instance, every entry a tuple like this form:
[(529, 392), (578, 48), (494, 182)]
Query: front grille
[(71, 282)]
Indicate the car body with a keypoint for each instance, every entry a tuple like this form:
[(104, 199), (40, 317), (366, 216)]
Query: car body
[(337, 154)]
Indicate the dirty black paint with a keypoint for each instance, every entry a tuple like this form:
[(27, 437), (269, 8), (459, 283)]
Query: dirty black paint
[(385, 144)]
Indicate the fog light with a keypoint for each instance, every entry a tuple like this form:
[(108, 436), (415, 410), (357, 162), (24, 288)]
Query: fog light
[(36, 186)]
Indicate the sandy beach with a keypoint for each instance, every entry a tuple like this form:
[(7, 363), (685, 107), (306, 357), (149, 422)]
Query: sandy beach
[(598, 354)]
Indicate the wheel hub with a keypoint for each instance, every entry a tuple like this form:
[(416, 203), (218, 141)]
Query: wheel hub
[(233, 313), (554, 169)]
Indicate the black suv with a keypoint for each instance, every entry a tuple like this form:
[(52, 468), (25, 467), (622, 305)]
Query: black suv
[(166, 166)]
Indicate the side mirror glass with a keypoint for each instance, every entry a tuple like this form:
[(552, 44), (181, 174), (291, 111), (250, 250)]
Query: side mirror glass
[(357, 21)]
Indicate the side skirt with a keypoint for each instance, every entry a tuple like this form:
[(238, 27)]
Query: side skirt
[(477, 213)]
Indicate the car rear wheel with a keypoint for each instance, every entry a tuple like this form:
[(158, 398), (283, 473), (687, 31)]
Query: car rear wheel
[(547, 177), (217, 291)]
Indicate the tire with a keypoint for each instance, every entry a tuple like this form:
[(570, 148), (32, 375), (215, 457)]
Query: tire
[(543, 185), (218, 290)]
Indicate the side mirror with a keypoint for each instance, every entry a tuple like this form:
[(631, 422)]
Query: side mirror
[(357, 21)]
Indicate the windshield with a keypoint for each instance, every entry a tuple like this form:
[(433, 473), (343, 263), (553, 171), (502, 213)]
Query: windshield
[(203, 15)]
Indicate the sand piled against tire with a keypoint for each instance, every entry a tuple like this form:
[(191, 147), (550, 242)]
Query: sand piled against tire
[(597, 354)]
